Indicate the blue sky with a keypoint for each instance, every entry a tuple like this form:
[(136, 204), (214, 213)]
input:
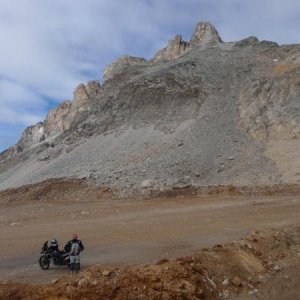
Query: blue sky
[(48, 47)]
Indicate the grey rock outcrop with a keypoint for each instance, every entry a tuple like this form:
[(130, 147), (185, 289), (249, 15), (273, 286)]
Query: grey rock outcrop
[(80, 97), (93, 88), (31, 136), (204, 34), (83, 93), (251, 40), (269, 107), (58, 120), (176, 47), (122, 64), (183, 182)]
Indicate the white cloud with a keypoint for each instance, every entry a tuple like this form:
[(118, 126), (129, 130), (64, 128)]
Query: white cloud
[(48, 47), (19, 104), (13, 93), (10, 116)]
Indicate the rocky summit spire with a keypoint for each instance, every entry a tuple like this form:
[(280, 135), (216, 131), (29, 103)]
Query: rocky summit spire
[(205, 33), (175, 48)]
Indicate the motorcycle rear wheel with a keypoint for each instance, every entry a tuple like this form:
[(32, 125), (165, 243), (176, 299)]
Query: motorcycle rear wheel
[(44, 262)]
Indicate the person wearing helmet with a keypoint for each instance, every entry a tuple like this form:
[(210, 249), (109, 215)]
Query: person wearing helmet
[(74, 247), (54, 247)]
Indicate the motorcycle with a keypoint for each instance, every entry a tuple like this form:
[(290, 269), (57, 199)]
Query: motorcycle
[(58, 258)]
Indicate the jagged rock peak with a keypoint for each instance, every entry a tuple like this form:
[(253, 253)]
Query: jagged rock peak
[(175, 48), (120, 64), (58, 119), (84, 92), (251, 40), (93, 88), (205, 33)]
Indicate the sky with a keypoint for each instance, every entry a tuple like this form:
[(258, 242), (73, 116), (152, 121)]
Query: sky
[(48, 47)]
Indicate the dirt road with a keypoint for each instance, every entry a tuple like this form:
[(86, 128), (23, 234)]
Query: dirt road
[(130, 232)]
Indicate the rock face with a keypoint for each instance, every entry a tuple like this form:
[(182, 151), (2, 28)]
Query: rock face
[(204, 34), (93, 88), (58, 119), (31, 136), (176, 47), (121, 65), (269, 108), (199, 113)]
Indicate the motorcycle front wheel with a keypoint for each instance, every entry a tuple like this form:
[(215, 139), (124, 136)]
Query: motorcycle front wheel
[(44, 262)]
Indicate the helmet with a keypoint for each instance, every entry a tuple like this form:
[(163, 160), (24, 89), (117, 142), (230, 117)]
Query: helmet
[(54, 242)]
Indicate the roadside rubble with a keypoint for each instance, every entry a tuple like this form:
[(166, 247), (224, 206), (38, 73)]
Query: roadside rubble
[(226, 271)]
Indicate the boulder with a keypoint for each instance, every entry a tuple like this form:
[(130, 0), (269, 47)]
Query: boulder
[(183, 182)]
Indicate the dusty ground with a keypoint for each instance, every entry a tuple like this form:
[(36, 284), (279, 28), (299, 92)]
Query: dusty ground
[(121, 233)]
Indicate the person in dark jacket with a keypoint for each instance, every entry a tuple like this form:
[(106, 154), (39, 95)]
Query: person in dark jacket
[(74, 247), (54, 248), (54, 245)]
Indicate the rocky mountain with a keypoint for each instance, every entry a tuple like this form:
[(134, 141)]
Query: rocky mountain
[(202, 112)]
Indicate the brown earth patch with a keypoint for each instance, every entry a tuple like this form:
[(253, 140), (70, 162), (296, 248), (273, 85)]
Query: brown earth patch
[(66, 189), (284, 68), (54, 189)]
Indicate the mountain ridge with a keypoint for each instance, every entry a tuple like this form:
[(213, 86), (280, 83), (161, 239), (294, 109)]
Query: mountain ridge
[(200, 112)]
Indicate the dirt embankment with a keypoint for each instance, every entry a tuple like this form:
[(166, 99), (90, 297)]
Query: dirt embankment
[(243, 269), (76, 189), (53, 189)]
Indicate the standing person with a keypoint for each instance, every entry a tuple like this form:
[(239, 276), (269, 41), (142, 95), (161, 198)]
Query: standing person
[(74, 247)]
